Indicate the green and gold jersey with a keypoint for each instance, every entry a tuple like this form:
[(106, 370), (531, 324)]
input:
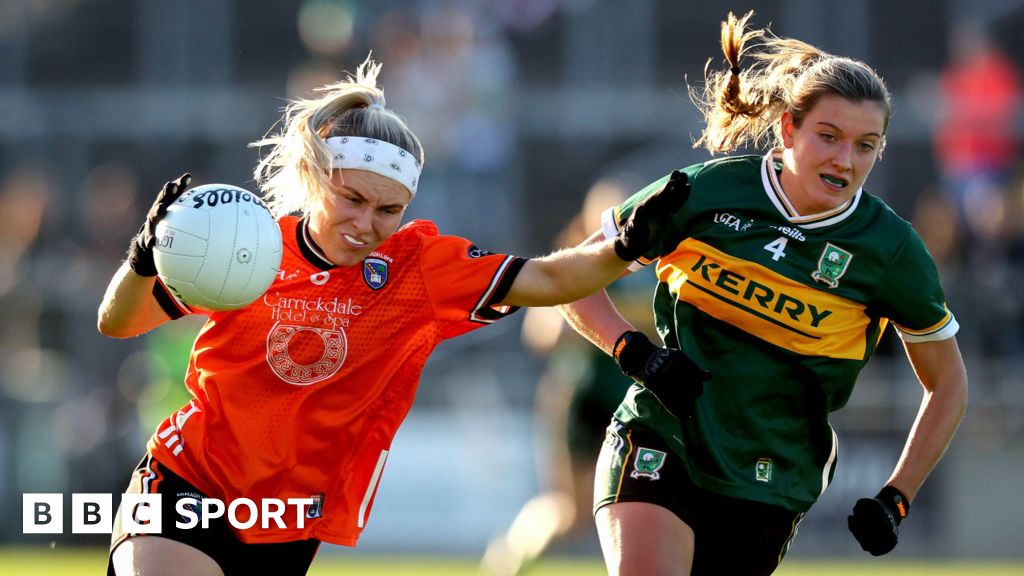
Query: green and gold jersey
[(784, 310)]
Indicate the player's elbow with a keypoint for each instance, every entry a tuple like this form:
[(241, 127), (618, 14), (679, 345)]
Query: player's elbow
[(957, 389), (109, 329), (953, 394), (108, 325)]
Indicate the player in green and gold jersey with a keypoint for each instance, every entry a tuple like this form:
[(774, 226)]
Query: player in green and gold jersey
[(775, 284)]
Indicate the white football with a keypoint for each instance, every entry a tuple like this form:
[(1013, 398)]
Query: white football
[(218, 247)]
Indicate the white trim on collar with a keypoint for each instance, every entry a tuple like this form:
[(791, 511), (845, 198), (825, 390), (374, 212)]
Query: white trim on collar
[(773, 188)]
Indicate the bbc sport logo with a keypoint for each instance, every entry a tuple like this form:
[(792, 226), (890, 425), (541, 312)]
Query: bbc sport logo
[(43, 513)]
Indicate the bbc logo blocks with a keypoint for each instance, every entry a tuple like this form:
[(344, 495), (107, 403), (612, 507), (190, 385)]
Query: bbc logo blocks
[(90, 513), (142, 513)]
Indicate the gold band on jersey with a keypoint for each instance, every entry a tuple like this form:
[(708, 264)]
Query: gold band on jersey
[(941, 330), (777, 309)]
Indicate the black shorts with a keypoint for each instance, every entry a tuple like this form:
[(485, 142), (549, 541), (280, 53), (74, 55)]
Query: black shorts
[(218, 541), (732, 536)]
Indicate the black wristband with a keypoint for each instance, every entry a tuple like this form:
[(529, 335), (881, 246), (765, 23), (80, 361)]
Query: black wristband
[(140, 259), (895, 501)]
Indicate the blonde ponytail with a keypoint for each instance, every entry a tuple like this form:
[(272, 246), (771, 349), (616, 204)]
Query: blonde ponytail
[(296, 173)]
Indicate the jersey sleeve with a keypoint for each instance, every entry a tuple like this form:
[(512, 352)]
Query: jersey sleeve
[(464, 283), (913, 297), (172, 305)]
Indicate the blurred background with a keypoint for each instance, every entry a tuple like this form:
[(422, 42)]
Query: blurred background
[(526, 108)]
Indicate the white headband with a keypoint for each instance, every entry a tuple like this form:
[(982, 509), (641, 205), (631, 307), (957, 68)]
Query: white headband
[(377, 156)]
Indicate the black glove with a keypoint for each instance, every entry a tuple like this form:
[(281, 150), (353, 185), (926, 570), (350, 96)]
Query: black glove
[(875, 521), (140, 253), (666, 372), (650, 218)]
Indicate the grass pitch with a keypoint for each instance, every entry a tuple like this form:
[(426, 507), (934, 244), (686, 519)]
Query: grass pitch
[(69, 561)]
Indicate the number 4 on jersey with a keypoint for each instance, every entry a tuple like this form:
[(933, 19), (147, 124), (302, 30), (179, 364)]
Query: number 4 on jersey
[(777, 247)]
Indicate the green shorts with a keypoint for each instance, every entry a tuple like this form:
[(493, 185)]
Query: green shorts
[(733, 536)]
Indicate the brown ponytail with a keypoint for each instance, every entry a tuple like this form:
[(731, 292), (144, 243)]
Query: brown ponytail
[(742, 106)]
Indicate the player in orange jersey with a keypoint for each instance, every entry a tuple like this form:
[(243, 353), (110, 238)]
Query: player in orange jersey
[(297, 396)]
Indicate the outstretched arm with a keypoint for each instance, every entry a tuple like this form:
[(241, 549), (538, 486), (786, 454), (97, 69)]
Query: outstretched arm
[(573, 273), (566, 275)]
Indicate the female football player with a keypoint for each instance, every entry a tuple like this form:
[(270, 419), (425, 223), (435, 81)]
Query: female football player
[(776, 281), (297, 396)]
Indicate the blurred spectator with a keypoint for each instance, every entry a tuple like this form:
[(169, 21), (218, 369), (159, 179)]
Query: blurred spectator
[(96, 418), (32, 376), (935, 219), (304, 77), (452, 74), (976, 145), (575, 398), (976, 138), (526, 15), (24, 196)]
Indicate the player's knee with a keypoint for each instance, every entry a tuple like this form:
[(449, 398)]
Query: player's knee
[(156, 556)]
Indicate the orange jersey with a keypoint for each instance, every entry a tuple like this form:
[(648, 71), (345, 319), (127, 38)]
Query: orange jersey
[(299, 394)]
